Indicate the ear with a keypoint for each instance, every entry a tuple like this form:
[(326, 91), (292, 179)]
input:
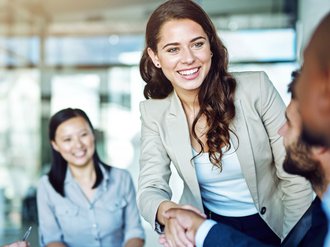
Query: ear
[(325, 99), (317, 151), (54, 145), (153, 57)]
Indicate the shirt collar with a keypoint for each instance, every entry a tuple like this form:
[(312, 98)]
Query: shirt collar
[(106, 178), (69, 178)]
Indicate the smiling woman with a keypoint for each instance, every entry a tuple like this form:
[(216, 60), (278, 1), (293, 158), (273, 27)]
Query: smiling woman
[(82, 201), (184, 61), (218, 129)]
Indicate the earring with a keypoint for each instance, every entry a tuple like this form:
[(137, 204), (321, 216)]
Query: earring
[(157, 65), (211, 54)]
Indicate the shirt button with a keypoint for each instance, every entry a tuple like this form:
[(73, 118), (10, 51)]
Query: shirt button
[(263, 210)]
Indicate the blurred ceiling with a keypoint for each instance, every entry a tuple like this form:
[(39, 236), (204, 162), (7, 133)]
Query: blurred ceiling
[(91, 17)]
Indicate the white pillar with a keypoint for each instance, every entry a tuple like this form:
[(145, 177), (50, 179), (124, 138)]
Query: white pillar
[(310, 14)]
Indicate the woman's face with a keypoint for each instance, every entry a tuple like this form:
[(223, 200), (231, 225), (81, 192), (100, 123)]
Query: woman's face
[(183, 53), (74, 140)]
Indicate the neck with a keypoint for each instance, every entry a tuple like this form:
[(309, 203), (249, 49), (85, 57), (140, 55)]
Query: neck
[(319, 192), (188, 99), (190, 104), (84, 174)]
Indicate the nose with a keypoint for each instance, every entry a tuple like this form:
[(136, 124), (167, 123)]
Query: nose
[(188, 56), (283, 130), (77, 142)]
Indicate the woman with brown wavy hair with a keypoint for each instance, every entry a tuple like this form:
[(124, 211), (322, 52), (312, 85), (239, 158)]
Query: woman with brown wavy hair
[(218, 129)]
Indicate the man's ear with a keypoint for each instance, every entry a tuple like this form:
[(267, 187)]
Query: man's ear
[(153, 57), (317, 151)]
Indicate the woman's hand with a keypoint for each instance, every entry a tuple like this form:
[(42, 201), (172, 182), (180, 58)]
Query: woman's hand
[(175, 233)]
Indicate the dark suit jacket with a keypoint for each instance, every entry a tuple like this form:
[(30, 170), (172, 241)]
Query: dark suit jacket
[(310, 230)]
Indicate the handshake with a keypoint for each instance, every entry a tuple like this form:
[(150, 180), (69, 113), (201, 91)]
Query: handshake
[(181, 226)]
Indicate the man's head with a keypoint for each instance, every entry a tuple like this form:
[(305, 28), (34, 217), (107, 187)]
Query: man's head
[(301, 159), (313, 86)]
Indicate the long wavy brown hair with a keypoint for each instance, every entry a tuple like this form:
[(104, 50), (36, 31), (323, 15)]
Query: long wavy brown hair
[(216, 94)]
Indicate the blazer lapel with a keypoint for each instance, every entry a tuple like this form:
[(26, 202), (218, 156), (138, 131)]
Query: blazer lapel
[(243, 148), (178, 131)]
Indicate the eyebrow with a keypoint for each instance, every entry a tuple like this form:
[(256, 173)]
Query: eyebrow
[(176, 43), (287, 118)]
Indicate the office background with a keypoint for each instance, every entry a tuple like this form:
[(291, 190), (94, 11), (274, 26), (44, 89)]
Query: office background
[(60, 53)]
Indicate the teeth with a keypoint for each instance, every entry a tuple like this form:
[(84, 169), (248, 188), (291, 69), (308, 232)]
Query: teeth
[(188, 72), (79, 154)]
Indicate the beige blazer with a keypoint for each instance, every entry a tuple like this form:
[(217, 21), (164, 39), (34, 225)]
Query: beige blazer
[(280, 198)]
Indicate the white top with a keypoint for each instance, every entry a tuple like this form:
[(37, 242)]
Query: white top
[(226, 192)]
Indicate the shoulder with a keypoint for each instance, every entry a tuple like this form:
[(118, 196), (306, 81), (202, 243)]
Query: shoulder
[(44, 182), (251, 81), (255, 87), (122, 180), (45, 189), (120, 173), (156, 105)]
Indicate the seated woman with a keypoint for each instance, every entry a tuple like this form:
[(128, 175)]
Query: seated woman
[(83, 202)]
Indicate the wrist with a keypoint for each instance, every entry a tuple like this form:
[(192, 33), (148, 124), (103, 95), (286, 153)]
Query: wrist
[(163, 207)]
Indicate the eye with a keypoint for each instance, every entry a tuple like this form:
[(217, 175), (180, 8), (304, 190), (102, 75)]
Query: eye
[(67, 139), (84, 134), (172, 50), (199, 44)]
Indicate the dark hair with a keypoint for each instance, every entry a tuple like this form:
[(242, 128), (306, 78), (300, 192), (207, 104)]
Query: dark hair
[(59, 164), (294, 77), (216, 95)]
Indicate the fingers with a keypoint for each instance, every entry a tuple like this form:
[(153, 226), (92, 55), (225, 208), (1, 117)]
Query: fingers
[(182, 216), (163, 241), (192, 208), (19, 244), (175, 234)]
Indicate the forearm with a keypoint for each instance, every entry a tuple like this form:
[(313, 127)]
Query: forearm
[(135, 242)]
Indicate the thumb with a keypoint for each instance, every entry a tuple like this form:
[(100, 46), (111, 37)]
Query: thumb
[(170, 213)]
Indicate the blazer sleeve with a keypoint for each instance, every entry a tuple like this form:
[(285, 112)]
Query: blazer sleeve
[(221, 235), (297, 191), (155, 172)]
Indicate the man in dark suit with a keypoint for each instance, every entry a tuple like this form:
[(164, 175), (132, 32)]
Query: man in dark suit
[(311, 162), (302, 159)]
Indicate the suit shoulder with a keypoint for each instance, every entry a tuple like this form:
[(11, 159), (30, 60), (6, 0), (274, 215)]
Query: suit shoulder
[(155, 107), (159, 103), (251, 82), (248, 78)]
